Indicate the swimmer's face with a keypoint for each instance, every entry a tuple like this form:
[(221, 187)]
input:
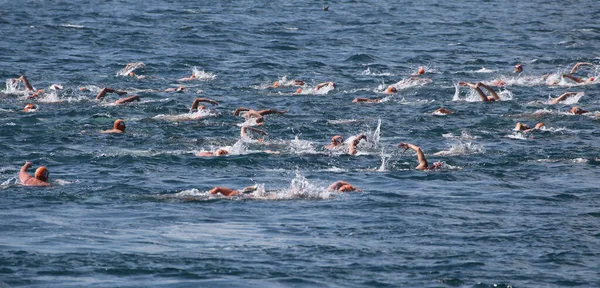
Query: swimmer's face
[(42, 173), (337, 140)]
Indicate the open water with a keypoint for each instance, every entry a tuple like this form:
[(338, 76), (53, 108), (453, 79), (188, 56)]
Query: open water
[(507, 209)]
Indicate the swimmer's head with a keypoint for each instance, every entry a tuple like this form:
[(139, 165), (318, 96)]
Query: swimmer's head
[(29, 107), (332, 84), (201, 107), (180, 88), (222, 152), (518, 68), (299, 90), (119, 125), (577, 110), (42, 173), (391, 90), (337, 140), (421, 71), (539, 125), (299, 82), (193, 76), (131, 73), (276, 84), (82, 89), (436, 165), (592, 79), (260, 121)]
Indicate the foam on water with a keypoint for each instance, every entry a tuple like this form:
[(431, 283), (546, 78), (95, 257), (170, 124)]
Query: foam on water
[(203, 75), (467, 148)]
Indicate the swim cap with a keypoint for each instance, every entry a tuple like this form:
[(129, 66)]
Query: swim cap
[(42, 173), (29, 107), (391, 89), (119, 124)]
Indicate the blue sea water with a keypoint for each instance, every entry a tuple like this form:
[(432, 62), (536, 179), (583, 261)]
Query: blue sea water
[(508, 209)]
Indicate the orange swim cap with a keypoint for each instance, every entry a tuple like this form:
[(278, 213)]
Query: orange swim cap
[(42, 173), (421, 71), (119, 125), (299, 90), (276, 84), (29, 107), (592, 79), (391, 89)]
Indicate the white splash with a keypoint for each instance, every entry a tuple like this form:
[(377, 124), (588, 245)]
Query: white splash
[(202, 75)]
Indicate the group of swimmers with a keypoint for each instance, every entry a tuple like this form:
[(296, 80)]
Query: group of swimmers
[(40, 178)]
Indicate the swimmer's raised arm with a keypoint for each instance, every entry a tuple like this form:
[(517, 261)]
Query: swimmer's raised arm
[(358, 100), (271, 111), (475, 87), (237, 111), (352, 148), (423, 165), (496, 97), (25, 82), (243, 133), (128, 99), (579, 64), (198, 100), (103, 92), (563, 97)]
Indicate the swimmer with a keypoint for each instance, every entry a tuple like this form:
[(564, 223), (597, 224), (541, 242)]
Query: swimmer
[(342, 186), (574, 69), (577, 111), (244, 134), (118, 127), (324, 84), (40, 179), (367, 100), (390, 90), (563, 97), (522, 127), (423, 165), (30, 107), (220, 152), (105, 90), (132, 74), (189, 78), (518, 68), (230, 192), (352, 147), (442, 111), (483, 97), (420, 72), (173, 89), (197, 101)]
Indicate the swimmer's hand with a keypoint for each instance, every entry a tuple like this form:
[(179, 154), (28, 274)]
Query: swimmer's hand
[(403, 145), (250, 189)]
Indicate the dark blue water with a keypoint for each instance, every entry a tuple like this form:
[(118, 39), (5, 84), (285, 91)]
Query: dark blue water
[(508, 209)]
